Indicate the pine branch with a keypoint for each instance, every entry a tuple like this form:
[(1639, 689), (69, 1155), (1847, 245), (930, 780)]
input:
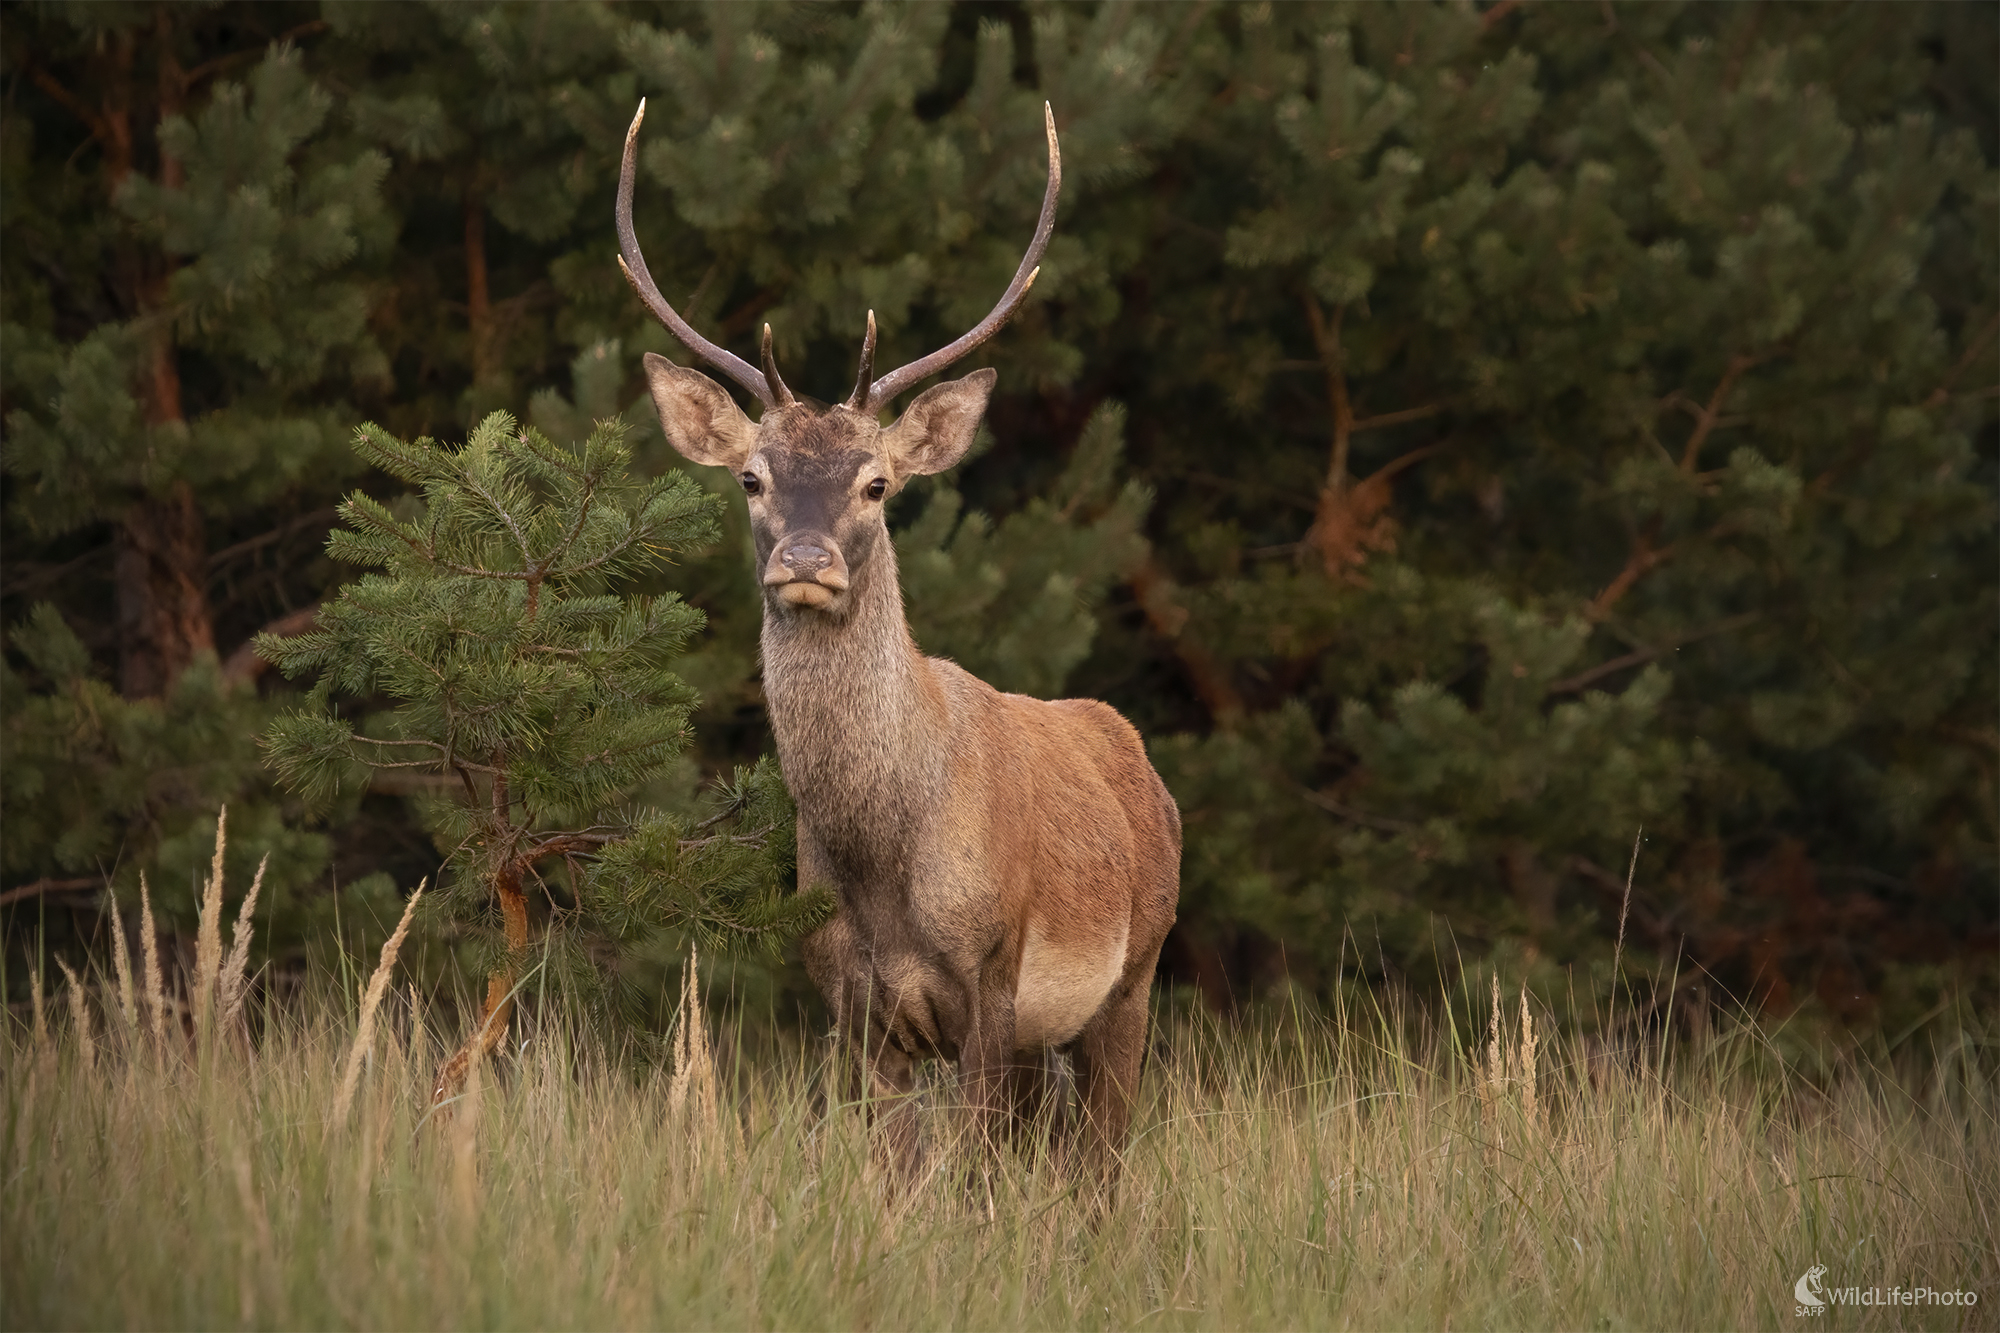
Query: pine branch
[(1584, 679), (1379, 822), (1326, 340), (1154, 592), (247, 663), (98, 125), (1642, 560), (1706, 422), (236, 59), (506, 517), (1490, 20), (40, 576), (1383, 420), (317, 518), (46, 885), (1973, 350), (584, 503)]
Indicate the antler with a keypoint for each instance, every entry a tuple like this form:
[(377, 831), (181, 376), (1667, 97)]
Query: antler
[(765, 385), (865, 380), (870, 396), (778, 389)]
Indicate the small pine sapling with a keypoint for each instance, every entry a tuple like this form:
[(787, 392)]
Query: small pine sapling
[(534, 699)]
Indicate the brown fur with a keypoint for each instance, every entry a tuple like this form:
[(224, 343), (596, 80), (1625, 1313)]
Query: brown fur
[(1007, 868)]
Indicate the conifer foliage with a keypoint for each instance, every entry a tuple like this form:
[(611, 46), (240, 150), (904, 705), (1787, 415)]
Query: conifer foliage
[(188, 229), (538, 697), (1456, 435)]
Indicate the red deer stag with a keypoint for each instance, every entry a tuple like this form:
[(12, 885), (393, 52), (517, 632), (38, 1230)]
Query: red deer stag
[(1006, 868)]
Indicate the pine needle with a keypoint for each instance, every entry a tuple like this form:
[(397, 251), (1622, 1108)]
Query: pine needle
[(149, 941), (234, 983), (208, 934), (364, 1031)]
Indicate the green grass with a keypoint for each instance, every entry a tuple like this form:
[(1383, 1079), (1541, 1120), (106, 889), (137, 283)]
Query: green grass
[(1310, 1175)]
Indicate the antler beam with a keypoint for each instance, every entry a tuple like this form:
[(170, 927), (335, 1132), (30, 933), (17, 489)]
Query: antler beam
[(869, 397), (769, 391)]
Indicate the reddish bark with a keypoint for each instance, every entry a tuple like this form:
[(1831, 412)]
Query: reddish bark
[(498, 1009), (478, 299), (159, 575)]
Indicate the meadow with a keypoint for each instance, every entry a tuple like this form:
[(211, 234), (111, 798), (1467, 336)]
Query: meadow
[(1355, 1170)]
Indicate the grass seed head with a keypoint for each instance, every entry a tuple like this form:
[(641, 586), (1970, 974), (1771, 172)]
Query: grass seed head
[(121, 961), (371, 1000), (1531, 1113), (234, 981), (79, 1017), (156, 989), (208, 934), (692, 1088)]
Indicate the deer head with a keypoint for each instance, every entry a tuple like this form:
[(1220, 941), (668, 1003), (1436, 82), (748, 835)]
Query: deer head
[(817, 476)]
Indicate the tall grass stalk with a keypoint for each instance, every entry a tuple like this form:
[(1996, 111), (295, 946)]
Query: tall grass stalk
[(371, 1001), (208, 936), (121, 959), (156, 987), (236, 967), (1358, 1171), (79, 1017)]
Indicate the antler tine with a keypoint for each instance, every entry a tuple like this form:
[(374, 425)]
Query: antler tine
[(888, 386), (778, 389), (634, 265), (863, 382)]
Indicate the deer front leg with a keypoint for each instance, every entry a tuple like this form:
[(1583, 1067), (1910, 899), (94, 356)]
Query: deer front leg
[(878, 1069), (986, 1055), (892, 1104)]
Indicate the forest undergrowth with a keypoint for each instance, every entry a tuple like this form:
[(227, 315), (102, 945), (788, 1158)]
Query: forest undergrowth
[(176, 1164)]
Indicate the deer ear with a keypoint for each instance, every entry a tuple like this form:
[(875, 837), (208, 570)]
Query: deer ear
[(935, 431), (700, 420)]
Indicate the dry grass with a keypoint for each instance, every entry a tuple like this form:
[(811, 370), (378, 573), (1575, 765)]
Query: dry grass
[(1358, 1171), (1336, 1174), (371, 1004)]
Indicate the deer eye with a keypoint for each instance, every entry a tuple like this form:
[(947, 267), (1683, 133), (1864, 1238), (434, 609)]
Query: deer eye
[(751, 485), (878, 488)]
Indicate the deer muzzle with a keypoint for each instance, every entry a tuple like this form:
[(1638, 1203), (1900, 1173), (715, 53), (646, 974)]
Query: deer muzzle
[(807, 571)]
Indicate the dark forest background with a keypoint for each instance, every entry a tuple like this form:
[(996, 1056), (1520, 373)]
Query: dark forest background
[(1458, 437)]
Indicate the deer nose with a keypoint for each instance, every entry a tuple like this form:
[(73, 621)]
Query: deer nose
[(806, 561)]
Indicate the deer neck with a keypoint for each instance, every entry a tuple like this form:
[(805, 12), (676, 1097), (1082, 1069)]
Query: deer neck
[(855, 710)]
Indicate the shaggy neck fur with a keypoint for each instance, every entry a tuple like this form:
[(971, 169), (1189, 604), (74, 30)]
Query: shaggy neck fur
[(857, 715)]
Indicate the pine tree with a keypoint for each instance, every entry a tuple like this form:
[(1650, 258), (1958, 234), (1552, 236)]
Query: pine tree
[(537, 697), (182, 320), (1015, 601), (1557, 419), (1612, 356), (502, 121)]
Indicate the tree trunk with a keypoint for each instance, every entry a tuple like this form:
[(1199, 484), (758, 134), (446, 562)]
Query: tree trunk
[(498, 1009), (478, 299), (160, 574), (160, 565)]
